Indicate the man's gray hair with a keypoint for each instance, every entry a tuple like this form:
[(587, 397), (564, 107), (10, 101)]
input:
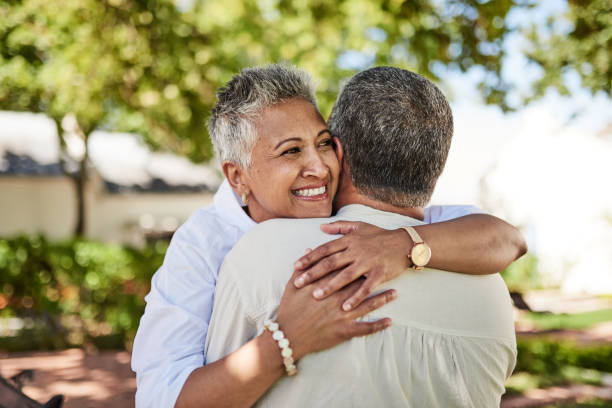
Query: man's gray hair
[(241, 100), (396, 128)]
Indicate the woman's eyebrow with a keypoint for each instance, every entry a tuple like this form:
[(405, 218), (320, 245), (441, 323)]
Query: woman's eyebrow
[(323, 131), (291, 139)]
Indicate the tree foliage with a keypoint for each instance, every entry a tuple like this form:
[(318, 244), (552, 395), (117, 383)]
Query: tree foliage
[(584, 48), (124, 65), (333, 40), (147, 67)]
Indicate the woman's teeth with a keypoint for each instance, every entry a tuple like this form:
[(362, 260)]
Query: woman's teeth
[(310, 192)]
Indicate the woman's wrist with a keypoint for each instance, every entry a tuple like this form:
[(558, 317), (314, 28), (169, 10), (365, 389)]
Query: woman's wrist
[(284, 345), (299, 346), (404, 245), (273, 353)]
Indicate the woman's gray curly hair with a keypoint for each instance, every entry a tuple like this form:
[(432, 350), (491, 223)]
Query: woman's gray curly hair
[(232, 122)]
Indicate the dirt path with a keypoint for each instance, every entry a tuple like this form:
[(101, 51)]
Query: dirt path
[(96, 380), (555, 395), (105, 379), (602, 333)]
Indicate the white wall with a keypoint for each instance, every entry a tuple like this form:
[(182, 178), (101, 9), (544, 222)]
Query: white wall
[(47, 205), (37, 205), (122, 217)]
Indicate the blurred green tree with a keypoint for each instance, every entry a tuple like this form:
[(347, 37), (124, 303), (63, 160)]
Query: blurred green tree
[(149, 67), (584, 47), (334, 39), (122, 65)]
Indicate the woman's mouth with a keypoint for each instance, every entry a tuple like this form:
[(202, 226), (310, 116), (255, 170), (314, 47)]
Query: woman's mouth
[(311, 193)]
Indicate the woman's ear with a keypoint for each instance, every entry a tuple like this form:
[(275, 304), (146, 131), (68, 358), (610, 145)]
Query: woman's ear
[(236, 176), (339, 150)]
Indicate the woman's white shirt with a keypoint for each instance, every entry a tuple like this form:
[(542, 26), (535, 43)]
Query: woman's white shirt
[(169, 343)]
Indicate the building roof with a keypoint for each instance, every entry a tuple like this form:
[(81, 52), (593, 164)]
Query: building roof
[(29, 146)]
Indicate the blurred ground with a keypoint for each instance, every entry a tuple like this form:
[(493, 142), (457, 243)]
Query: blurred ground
[(105, 379), (558, 306), (97, 380), (556, 302)]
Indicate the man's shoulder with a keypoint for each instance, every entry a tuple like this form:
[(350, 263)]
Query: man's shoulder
[(281, 233), (261, 263), (287, 225), (270, 248), (452, 303)]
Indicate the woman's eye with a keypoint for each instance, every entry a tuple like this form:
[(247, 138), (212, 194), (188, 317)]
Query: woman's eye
[(293, 150), (326, 142)]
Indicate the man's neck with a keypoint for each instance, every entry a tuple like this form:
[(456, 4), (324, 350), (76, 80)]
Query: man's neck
[(347, 194)]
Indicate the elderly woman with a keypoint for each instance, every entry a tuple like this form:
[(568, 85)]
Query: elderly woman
[(280, 159)]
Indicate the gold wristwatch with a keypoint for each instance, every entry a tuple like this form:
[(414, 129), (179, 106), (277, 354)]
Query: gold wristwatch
[(420, 254)]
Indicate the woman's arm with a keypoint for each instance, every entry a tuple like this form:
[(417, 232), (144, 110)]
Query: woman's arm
[(477, 244), (243, 376), (236, 380), (474, 244)]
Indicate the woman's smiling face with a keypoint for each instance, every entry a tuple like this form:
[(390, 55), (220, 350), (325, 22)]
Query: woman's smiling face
[(294, 166)]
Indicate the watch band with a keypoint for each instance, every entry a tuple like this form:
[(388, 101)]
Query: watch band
[(416, 238)]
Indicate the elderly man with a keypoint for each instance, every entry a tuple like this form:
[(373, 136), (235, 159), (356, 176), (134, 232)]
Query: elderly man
[(452, 341)]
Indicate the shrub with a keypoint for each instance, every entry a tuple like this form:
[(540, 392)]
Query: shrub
[(545, 361), (75, 291), (523, 274), (548, 356)]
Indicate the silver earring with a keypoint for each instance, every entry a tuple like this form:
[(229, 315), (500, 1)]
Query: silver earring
[(245, 199)]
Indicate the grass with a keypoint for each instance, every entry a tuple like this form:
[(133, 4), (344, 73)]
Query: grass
[(523, 381), (578, 321), (544, 362), (595, 403)]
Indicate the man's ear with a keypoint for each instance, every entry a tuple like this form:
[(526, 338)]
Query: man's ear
[(236, 176), (339, 150)]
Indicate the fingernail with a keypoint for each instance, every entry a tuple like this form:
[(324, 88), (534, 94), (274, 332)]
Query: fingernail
[(298, 264), (318, 293), (394, 295), (346, 307), (299, 282)]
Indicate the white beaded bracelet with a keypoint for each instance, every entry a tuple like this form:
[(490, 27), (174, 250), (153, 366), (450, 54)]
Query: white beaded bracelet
[(283, 343)]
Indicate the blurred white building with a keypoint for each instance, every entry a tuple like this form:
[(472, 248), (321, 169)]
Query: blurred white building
[(131, 193)]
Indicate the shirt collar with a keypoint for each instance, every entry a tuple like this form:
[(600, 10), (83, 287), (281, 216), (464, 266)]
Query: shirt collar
[(229, 206), (360, 211)]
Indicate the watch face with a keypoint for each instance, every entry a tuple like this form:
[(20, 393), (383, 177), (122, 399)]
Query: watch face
[(421, 253)]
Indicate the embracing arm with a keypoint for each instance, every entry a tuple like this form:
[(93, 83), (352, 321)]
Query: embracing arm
[(476, 244), (473, 244), (240, 378)]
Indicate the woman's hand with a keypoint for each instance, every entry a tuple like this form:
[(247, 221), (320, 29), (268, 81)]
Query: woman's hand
[(476, 244), (313, 325), (365, 250)]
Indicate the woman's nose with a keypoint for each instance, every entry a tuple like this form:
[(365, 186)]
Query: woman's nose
[(315, 166)]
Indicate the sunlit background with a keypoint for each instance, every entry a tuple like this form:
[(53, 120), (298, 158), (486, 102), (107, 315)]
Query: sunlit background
[(104, 152)]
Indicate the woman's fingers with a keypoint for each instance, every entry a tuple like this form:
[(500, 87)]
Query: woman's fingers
[(373, 303), (365, 328), (330, 286), (341, 227), (314, 325), (319, 262), (366, 287)]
